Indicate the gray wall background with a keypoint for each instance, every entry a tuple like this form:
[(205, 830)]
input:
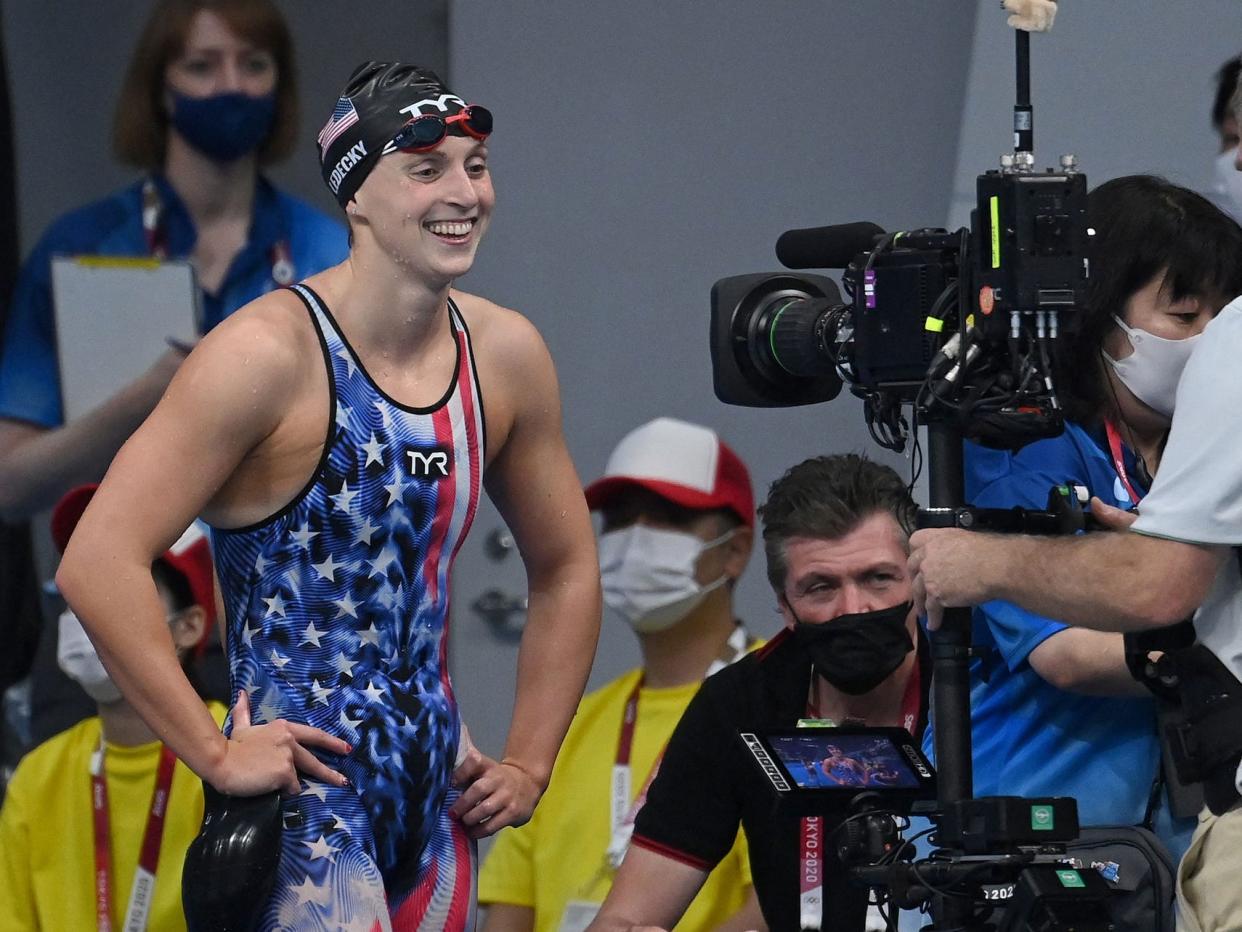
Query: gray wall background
[(646, 149)]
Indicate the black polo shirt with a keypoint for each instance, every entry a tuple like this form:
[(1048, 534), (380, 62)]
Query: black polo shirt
[(708, 782)]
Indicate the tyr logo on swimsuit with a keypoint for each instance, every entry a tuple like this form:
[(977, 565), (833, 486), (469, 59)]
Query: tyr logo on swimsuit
[(430, 463)]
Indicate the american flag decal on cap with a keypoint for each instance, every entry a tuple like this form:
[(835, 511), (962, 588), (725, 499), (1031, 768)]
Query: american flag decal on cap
[(343, 117)]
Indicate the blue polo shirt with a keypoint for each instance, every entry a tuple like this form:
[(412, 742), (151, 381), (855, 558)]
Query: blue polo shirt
[(1030, 738), (29, 372)]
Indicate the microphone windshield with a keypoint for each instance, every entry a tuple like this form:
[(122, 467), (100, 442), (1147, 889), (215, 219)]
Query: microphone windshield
[(830, 247)]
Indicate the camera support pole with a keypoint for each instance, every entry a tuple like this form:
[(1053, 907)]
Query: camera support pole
[(951, 644), (950, 667), (1023, 116), (946, 468)]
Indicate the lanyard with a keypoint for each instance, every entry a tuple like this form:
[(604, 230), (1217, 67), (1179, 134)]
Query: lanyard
[(283, 272), (811, 872), (143, 888), (621, 811), (811, 835), (1119, 463)]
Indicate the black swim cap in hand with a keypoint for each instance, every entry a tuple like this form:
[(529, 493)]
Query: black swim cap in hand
[(230, 868)]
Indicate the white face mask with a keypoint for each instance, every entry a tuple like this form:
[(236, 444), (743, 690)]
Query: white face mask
[(648, 574), (1155, 367), (78, 658), (1227, 184)]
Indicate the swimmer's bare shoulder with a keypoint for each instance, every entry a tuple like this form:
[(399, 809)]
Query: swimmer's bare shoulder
[(262, 350), (228, 398), (516, 375)]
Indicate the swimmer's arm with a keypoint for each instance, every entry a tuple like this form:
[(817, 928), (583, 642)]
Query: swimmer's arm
[(534, 485), (537, 489), (164, 475)]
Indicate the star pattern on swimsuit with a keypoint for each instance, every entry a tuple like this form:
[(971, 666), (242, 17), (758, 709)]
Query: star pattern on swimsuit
[(343, 627), (374, 451), (321, 849)]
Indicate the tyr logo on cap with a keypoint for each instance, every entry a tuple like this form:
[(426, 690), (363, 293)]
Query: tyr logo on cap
[(440, 103)]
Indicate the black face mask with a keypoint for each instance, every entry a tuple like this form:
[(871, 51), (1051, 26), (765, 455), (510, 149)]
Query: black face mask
[(856, 653)]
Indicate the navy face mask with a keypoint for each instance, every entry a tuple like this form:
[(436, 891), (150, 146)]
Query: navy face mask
[(858, 652), (224, 127)]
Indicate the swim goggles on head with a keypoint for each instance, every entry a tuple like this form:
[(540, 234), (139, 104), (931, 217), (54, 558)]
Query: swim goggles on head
[(428, 131)]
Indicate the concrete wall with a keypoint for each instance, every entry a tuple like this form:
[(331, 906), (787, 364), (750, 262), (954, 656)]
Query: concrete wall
[(646, 149)]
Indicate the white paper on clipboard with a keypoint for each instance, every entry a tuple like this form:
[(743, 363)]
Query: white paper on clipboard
[(114, 317)]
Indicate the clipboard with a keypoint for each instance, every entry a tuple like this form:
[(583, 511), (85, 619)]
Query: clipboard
[(115, 315)]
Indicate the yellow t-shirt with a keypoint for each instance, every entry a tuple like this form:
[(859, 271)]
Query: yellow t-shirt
[(559, 856), (47, 836)]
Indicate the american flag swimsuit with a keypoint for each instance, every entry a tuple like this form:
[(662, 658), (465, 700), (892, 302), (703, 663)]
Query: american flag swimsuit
[(337, 611)]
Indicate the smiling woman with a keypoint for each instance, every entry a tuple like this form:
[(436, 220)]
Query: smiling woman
[(340, 468), (428, 209), (420, 166)]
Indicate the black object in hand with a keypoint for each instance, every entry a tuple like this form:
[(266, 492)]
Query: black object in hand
[(230, 867)]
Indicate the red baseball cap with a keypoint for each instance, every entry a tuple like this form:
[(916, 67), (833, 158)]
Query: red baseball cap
[(190, 555), (687, 464)]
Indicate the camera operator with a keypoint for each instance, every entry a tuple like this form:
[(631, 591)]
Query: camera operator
[(1163, 261), (835, 538), (1180, 555)]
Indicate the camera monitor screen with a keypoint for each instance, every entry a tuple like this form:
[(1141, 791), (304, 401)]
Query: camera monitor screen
[(819, 759), (818, 767)]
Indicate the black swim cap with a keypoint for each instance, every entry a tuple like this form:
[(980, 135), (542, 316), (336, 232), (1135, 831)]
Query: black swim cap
[(231, 866), (379, 98)]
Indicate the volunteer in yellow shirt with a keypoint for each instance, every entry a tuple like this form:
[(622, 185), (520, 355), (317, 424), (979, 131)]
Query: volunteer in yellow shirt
[(678, 519), (87, 807)]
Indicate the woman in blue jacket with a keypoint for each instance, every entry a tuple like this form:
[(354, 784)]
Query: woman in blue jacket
[(209, 100)]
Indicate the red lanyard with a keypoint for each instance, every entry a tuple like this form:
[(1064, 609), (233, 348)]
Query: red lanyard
[(912, 699), (811, 849), (621, 811), (629, 719), (283, 272), (1119, 463), (811, 872), (811, 836), (143, 887)]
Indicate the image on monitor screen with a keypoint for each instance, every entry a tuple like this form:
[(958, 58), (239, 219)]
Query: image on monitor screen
[(829, 761)]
